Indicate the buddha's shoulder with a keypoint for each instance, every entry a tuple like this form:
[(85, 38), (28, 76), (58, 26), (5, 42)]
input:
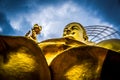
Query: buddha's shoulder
[(60, 41)]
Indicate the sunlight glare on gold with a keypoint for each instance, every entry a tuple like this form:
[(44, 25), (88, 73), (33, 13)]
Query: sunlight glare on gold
[(20, 62)]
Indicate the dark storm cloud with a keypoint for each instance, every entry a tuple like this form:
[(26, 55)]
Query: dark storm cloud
[(10, 8), (107, 10), (18, 6), (4, 25)]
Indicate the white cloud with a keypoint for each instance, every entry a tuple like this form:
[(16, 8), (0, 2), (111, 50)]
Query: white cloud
[(54, 18), (16, 24), (1, 29)]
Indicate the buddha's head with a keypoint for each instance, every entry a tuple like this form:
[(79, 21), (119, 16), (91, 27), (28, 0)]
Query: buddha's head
[(76, 31)]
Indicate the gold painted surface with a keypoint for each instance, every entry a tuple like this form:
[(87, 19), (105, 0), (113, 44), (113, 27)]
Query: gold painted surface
[(78, 72), (112, 44), (22, 59), (76, 31), (19, 62), (53, 47), (78, 63)]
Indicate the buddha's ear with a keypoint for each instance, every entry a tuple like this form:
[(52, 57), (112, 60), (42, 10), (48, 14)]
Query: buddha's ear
[(85, 38)]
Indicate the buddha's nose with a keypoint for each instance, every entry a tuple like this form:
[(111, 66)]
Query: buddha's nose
[(68, 31)]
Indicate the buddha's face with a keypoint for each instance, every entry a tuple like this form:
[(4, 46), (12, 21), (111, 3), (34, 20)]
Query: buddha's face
[(74, 30)]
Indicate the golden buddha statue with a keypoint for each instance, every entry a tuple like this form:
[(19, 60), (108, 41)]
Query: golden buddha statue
[(74, 35), (71, 57)]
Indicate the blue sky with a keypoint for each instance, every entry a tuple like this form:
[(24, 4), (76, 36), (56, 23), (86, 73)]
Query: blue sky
[(18, 16)]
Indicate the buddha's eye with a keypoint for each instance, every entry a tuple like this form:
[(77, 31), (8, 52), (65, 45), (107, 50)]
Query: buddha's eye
[(65, 29), (74, 28)]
